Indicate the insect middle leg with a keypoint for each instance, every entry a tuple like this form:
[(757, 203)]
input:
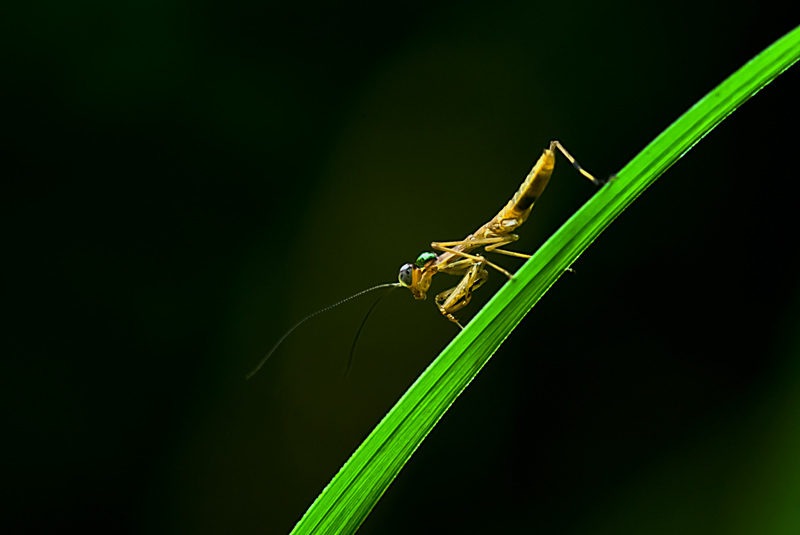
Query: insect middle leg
[(491, 245), (494, 247), (447, 248)]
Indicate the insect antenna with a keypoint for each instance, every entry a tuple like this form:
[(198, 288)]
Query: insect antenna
[(299, 323), (364, 322)]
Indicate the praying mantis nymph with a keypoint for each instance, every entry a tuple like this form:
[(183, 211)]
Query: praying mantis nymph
[(458, 258)]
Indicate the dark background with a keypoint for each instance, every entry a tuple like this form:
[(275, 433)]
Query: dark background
[(184, 180)]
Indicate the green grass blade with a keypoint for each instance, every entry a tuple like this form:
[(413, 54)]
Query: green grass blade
[(348, 499)]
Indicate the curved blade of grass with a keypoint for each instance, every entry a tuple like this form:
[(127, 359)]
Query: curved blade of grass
[(348, 499)]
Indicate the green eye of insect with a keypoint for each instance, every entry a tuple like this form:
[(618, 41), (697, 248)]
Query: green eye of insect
[(424, 258)]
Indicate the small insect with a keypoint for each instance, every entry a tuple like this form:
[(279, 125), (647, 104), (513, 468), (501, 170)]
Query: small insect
[(457, 257)]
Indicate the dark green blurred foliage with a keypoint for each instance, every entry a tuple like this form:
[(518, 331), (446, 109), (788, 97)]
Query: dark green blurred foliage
[(183, 181)]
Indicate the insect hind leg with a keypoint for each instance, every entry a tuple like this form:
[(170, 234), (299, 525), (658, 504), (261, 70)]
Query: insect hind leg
[(557, 145), (503, 241)]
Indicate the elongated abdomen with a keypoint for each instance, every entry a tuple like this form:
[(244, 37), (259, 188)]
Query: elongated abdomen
[(533, 186), (517, 210)]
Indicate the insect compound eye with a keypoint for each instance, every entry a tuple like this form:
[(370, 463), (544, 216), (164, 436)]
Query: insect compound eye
[(406, 276)]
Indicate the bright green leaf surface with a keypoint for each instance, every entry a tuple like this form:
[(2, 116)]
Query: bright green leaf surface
[(355, 490)]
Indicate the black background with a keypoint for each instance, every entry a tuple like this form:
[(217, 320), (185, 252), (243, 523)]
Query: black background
[(183, 181)]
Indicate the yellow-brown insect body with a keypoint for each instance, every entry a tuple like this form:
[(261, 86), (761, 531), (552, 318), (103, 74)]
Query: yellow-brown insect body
[(456, 257)]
